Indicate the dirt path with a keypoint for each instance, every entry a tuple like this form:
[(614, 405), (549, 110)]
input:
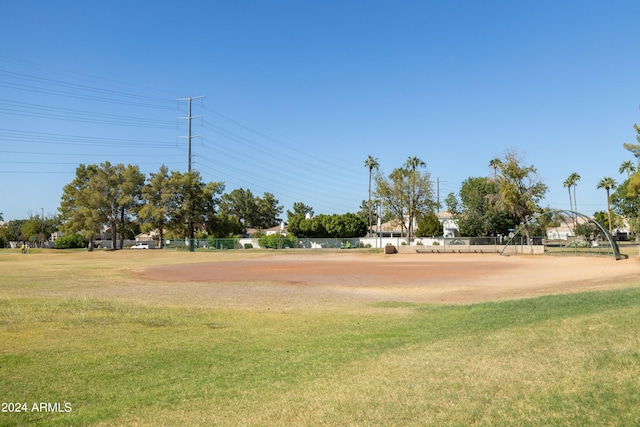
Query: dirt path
[(294, 279)]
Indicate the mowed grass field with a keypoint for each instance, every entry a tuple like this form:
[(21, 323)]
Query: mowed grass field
[(100, 347)]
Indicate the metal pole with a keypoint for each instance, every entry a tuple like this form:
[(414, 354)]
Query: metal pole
[(380, 223), (189, 137)]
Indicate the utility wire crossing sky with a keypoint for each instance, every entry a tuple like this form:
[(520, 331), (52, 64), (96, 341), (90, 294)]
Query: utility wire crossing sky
[(298, 94)]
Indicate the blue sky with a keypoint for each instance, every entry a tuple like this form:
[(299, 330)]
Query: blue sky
[(299, 93)]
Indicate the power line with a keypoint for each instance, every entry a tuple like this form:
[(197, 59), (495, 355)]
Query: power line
[(67, 139)]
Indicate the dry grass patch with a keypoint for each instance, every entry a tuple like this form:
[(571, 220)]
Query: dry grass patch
[(80, 328)]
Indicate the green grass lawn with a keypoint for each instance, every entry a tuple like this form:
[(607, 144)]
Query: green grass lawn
[(556, 360)]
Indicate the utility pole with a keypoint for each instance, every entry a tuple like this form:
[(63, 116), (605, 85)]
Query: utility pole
[(438, 190), (189, 137)]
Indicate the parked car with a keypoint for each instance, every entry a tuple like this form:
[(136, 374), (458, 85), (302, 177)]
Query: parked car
[(140, 246)]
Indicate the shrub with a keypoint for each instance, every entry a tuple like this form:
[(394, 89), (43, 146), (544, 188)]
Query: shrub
[(248, 246), (346, 244), (276, 241), (69, 242), (579, 244)]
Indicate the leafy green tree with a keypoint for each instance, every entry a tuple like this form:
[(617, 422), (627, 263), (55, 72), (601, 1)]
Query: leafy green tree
[(300, 208), (294, 223), (313, 227), (105, 195), (346, 225), (241, 205), (478, 212), (585, 230), (131, 182), (211, 220), (192, 206), (429, 225), (519, 188), (296, 217), (603, 218), (608, 183), (371, 163), (11, 231), (78, 211), (157, 194), (36, 228), (626, 203), (268, 211), (406, 194), (101, 195), (392, 192), (225, 226), (249, 210)]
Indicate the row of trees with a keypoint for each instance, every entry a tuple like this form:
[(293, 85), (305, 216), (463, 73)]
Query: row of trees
[(405, 194), (495, 205), (623, 203), (121, 198), (126, 201), (484, 206), (36, 229)]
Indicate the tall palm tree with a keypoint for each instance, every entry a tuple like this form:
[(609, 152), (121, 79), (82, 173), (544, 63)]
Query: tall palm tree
[(607, 183), (575, 178), (372, 163), (413, 163), (568, 183), (628, 167), (572, 181), (495, 164)]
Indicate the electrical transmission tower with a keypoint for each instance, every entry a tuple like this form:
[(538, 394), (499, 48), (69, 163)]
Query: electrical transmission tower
[(189, 136)]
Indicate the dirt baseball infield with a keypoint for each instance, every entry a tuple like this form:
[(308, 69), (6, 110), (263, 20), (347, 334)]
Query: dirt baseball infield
[(421, 278)]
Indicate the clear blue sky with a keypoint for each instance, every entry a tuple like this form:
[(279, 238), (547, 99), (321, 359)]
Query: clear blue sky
[(299, 93)]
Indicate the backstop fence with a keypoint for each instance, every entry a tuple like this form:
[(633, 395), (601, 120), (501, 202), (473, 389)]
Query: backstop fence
[(498, 245)]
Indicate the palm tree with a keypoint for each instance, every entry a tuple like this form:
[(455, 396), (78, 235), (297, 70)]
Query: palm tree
[(413, 163), (628, 167), (568, 183), (371, 163), (495, 164), (607, 183), (575, 178), (572, 181)]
